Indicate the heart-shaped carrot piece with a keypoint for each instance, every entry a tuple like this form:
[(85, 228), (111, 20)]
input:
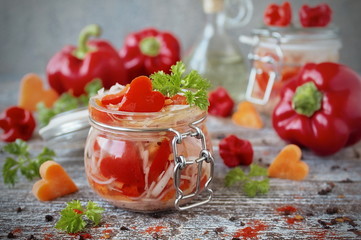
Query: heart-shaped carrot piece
[(288, 164), (140, 97), (55, 182), (247, 116), (32, 92)]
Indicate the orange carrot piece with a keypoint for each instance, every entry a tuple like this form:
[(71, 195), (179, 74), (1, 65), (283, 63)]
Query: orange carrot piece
[(247, 116), (55, 182), (288, 164), (32, 92)]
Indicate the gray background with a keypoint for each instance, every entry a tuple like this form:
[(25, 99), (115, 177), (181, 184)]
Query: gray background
[(31, 31)]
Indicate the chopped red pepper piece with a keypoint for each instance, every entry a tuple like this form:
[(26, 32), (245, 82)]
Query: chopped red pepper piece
[(16, 123), (141, 98), (149, 51), (221, 104), (318, 16), (160, 162), (235, 151), (278, 15)]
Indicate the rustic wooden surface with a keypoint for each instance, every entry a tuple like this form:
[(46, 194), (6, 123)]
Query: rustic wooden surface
[(229, 215)]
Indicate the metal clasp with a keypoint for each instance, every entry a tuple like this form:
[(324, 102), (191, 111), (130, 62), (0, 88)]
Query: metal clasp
[(181, 162), (276, 64)]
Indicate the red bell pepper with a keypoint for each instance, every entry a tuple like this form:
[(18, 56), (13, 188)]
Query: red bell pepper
[(73, 67), (318, 16), (149, 51), (16, 123), (320, 108), (278, 15), (235, 151), (220, 103)]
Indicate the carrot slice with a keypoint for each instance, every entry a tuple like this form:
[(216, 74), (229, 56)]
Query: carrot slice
[(55, 182), (247, 116), (288, 164), (32, 92)]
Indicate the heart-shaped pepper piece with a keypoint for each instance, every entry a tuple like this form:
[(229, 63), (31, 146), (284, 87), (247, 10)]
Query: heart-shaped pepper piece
[(140, 97), (288, 164), (247, 116), (55, 182), (32, 92)]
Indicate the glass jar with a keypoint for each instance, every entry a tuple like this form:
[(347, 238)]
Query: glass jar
[(149, 161), (279, 53)]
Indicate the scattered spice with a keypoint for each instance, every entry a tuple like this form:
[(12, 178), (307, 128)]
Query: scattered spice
[(11, 235), (19, 209), (31, 237), (327, 190), (156, 229), (347, 180), (332, 210), (286, 210), (232, 219), (219, 230), (236, 238), (124, 228), (49, 218), (355, 231), (334, 167), (324, 224), (252, 231)]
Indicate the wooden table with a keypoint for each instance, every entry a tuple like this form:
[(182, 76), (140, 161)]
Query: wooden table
[(327, 204)]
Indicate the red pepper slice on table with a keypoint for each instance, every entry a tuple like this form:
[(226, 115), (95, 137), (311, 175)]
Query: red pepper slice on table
[(16, 123), (73, 67), (318, 16), (320, 108), (278, 15), (220, 103), (235, 151), (149, 51)]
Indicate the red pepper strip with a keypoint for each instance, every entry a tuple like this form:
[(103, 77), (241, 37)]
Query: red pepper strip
[(114, 98), (221, 104), (235, 151), (320, 108), (318, 16), (73, 67), (149, 51), (160, 162), (123, 163), (278, 15), (16, 123), (141, 98)]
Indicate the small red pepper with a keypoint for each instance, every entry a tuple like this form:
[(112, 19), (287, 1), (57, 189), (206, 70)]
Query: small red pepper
[(318, 16), (235, 151), (278, 15), (73, 67), (149, 51), (16, 123), (220, 103), (320, 108)]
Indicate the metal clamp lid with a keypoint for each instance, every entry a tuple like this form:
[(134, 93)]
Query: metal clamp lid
[(275, 63)]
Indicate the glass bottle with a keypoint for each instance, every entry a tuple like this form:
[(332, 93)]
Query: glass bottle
[(216, 56)]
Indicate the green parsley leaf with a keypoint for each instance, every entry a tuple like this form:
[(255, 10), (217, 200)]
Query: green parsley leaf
[(253, 183), (23, 162), (192, 85), (72, 216), (67, 102)]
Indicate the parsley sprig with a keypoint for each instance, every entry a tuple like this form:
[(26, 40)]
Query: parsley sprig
[(254, 182), (67, 102), (192, 85), (22, 161), (73, 216)]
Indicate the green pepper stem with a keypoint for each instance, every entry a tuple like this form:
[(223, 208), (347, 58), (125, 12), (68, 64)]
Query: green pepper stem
[(150, 46), (91, 30), (307, 99)]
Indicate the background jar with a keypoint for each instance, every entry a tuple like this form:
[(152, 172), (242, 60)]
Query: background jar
[(149, 161), (278, 54)]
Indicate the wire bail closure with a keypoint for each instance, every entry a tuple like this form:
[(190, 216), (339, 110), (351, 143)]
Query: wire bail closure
[(273, 75), (181, 162)]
